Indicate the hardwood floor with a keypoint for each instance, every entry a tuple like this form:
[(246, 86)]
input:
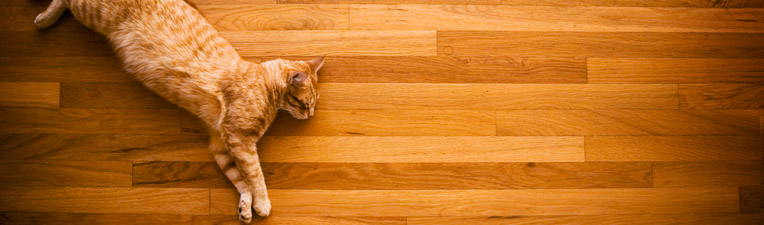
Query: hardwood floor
[(432, 112)]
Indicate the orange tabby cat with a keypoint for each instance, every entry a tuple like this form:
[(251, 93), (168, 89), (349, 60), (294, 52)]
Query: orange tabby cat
[(174, 51)]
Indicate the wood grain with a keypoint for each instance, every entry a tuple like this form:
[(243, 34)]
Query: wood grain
[(627, 3), (22, 94), (53, 43), (553, 18), (104, 147), (19, 218), (388, 123), (340, 149), (712, 173), (721, 96), (62, 69), (373, 123), (711, 219), (13, 218), (494, 2), (333, 43), (307, 220), (111, 95), (750, 199), (601, 44), (446, 69), (105, 200), (405, 176), (21, 17), (496, 96), (65, 173), (675, 70), (179, 174), (224, 2), (109, 121), (276, 17), (625, 122), (676, 148), (488, 202)]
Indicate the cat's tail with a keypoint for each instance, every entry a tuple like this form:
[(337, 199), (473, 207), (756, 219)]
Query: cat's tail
[(50, 15)]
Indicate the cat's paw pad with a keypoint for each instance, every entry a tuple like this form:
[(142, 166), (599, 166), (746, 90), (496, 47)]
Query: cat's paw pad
[(262, 207), (245, 211)]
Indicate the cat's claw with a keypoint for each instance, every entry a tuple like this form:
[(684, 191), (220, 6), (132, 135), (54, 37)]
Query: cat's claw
[(262, 207)]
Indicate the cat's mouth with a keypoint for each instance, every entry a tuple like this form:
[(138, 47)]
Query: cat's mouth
[(299, 115)]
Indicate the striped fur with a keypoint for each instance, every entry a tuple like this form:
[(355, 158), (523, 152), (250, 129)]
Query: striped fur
[(173, 50)]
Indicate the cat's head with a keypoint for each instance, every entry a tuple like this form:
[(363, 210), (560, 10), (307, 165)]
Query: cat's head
[(302, 87)]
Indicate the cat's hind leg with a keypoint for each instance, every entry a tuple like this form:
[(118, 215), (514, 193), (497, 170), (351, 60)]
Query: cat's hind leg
[(50, 15), (225, 162)]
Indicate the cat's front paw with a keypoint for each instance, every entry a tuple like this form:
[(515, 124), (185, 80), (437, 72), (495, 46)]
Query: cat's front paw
[(245, 209), (262, 207)]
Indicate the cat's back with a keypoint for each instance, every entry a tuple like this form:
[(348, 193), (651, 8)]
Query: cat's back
[(157, 34)]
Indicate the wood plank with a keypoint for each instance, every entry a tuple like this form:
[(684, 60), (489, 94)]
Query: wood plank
[(405, 176), (554, 18), (180, 174), (711, 173), (21, 18), (388, 123), (224, 2), (374, 123), (488, 202), (625, 122), (104, 147), (26, 218), (12, 218), (111, 95), (409, 149), (602, 45), (493, 2), (685, 3), (62, 69), (761, 122), (446, 69), (276, 17), (721, 96), (105, 200), (307, 220), (710, 219), (750, 199), (53, 43), (496, 96), (676, 148), (675, 70), (65, 173), (333, 43), (190, 124), (110, 121), (21, 94), (626, 3)]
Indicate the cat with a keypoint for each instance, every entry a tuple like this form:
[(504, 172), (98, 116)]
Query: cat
[(172, 49)]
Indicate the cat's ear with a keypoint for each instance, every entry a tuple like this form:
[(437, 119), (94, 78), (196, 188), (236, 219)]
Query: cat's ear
[(316, 63), (297, 77)]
